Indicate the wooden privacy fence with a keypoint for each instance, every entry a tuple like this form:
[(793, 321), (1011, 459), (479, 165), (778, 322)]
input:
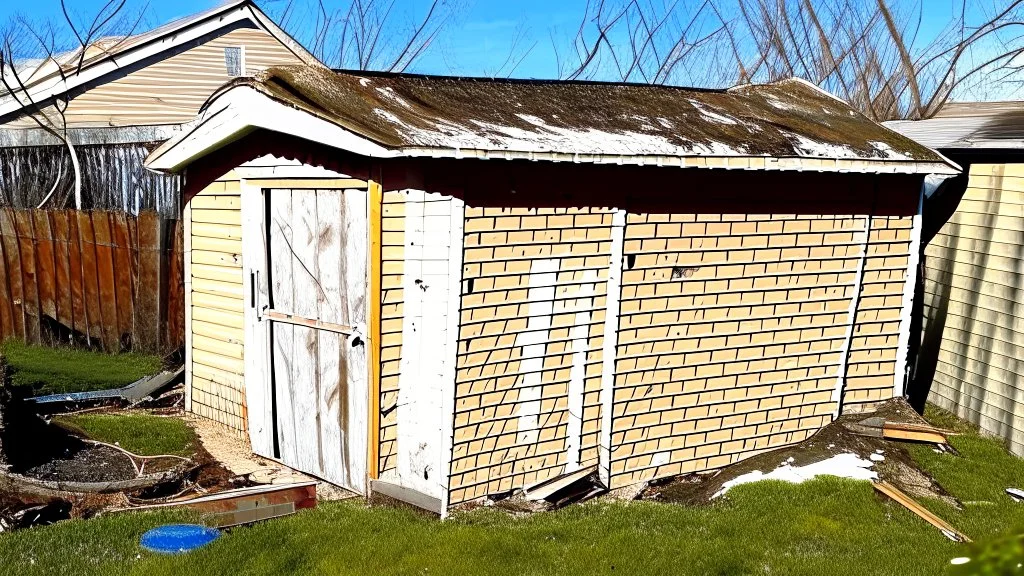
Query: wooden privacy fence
[(102, 279)]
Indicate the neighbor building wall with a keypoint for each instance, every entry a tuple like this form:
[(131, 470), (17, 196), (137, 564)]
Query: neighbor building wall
[(172, 90), (214, 304), (973, 276)]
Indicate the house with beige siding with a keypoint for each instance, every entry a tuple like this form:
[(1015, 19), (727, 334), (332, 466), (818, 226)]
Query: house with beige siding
[(120, 98), (973, 335), (450, 289)]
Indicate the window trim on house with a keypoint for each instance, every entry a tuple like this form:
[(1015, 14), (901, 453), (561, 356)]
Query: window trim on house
[(241, 61)]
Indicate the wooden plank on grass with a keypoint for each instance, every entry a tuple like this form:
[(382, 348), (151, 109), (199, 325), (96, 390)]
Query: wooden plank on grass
[(147, 305), (90, 280), (12, 258), (912, 505), (123, 276), (62, 268), (107, 280), (29, 282), (46, 273)]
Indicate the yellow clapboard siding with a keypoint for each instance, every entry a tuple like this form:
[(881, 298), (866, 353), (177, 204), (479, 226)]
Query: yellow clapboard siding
[(217, 360), (230, 217), (217, 331), (226, 289), (219, 231), (227, 318), (204, 244), (231, 275), (231, 260), (217, 346), (219, 375)]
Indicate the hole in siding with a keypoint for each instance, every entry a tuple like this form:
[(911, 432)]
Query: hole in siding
[(469, 285), (630, 261), (680, 272), (357, 341), (426, 475)]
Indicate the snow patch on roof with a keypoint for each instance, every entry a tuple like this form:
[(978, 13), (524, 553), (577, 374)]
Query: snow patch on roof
[(711, 114), (842, 465)]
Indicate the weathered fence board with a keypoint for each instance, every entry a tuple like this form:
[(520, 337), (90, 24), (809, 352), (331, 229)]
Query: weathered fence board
[(12, 257), (101, 279)]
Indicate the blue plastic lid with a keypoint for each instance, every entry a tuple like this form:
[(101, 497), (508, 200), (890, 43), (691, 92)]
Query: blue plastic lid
[(178, 538)]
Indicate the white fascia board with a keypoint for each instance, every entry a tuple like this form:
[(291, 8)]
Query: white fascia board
[(47, 89), (242, 110)]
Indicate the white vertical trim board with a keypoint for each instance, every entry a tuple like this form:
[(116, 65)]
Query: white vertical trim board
[(254, 346), (431, 282), (458, 223), (611, 340), (851, 322), (187, 255), (899, 384)]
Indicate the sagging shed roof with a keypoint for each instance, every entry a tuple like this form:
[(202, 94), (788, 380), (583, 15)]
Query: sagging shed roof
[(415, 115)]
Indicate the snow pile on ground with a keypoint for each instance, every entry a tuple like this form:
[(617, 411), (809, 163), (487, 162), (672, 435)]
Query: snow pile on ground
[(841, 465)]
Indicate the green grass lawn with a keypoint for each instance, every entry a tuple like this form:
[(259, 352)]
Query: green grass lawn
[(53, 370), (142, 434), (826, 526)]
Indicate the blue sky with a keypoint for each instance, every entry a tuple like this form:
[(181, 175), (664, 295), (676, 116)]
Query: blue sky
[(477, 43)]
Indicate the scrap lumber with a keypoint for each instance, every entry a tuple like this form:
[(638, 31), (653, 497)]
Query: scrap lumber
[(543, 490), (881, 428), (132, 393), (912, 505), (246, 505)]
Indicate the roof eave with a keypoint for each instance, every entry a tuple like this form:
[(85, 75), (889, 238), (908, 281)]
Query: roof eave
[(242, 108)]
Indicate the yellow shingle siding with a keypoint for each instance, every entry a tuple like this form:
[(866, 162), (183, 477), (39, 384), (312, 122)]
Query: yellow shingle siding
[(392, 298), (533, 279), (215, 372), (871, 367), (972, 291), (730, 334)]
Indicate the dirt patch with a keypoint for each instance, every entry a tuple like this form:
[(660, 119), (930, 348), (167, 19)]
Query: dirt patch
[(96, 464), (898, 467)]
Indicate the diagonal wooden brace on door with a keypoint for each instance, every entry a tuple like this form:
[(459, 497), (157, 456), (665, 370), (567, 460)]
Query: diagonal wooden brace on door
[(285, 318)]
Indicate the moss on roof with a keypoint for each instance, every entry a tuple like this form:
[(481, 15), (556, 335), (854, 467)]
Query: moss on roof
[(785, 119)]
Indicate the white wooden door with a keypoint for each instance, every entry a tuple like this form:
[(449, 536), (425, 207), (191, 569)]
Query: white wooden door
[(315, 313)]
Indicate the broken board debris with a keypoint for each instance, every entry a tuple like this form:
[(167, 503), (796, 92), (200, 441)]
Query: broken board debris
[(247, 505), (882, 428), (132, 393), (910, 504)]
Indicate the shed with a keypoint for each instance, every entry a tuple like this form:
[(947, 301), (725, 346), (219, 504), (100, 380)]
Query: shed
[(973, 270), (447, 289)]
